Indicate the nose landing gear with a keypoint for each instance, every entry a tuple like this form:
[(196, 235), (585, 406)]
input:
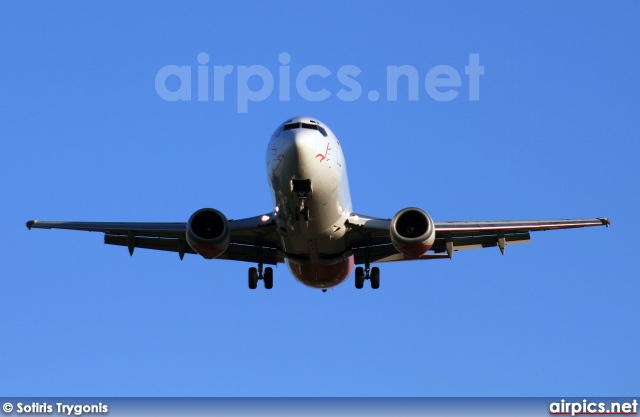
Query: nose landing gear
[(302, 190), (302, 211)]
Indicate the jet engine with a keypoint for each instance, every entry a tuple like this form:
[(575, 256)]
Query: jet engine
[(208, 233), (412, 232)]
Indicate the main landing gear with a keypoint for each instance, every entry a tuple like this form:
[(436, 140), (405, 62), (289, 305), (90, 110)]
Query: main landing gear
[(372, 274), (256, 274)]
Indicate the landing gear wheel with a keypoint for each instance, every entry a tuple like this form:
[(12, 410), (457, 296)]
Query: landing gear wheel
[(375, 278), (268, 278), (359, 277), (305, 212), (253, 278)]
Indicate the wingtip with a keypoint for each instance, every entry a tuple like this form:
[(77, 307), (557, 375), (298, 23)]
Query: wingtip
[(30, 224), (605, 221)]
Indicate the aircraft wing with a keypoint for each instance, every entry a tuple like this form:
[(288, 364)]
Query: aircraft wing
[(369, 235), (251, 239)]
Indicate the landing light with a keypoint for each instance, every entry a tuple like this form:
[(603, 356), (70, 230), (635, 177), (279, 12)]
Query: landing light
[(265, 218)]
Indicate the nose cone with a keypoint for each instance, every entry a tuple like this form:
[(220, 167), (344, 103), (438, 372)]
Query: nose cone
[(301, 146)]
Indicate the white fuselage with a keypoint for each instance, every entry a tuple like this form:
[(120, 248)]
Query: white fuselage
[(307, 171)]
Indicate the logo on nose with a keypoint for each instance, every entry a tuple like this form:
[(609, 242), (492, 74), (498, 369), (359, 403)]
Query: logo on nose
[(323, 157)]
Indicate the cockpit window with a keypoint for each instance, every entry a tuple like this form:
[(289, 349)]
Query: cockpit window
[(302, 125)]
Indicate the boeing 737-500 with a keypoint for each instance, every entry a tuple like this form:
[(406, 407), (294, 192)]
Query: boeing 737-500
[(312, 226)]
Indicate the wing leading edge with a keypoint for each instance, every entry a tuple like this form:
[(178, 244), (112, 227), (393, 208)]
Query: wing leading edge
[(370, 237)]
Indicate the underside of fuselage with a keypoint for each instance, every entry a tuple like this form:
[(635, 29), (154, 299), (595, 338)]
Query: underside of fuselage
[(322, 276), (309, 185)]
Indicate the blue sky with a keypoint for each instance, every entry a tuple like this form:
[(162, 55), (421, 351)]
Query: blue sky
[(86, 136)]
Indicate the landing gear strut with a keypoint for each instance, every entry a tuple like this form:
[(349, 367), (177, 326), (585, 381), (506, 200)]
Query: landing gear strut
[(372, 275), (256, 274), (302, 189), (302, 211)]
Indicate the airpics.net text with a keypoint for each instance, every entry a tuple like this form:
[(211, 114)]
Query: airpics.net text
[(256, 83)]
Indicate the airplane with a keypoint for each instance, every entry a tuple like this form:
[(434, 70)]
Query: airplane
[(312, 227)]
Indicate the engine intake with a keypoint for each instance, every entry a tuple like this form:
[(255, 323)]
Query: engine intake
[(208, 232), (412, 232)]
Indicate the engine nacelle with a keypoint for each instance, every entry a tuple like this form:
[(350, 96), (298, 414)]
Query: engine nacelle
[(208, 233), (412, 232)]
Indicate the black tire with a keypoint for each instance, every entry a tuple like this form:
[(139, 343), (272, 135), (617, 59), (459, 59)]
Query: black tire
[(268, 278), (359, 277), (306, 213), (375, 277), (253, 278), (297, 214)]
